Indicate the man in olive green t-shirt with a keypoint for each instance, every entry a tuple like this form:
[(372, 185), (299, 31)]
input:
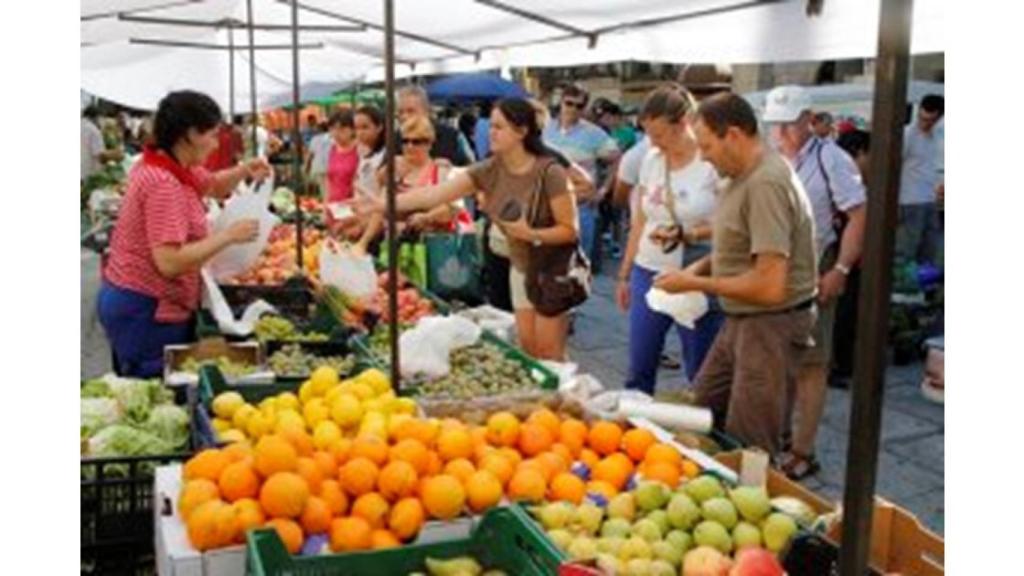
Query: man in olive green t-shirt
[(763, 269)]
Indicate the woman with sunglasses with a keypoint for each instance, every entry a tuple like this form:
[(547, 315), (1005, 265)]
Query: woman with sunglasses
[(674, 201), (519, 167)]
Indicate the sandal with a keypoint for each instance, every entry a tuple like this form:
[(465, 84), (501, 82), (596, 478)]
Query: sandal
[(797, 467)]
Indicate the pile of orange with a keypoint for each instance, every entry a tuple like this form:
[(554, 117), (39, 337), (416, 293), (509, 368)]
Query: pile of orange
[(371, 492)]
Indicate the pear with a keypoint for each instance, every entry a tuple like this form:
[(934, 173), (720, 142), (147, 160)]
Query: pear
[(713, 534), (617, 527), (752, 503), (561, 538), (680, 540), (647, 529), (703, 488), (622, 506), (651, 496), (746, 535), (610, 545), (555, 515), (638, 567), (588, 518), (660, 517), (635, 547), (664, 550), (720, 510), (582, 548), (682, 512), (462, 566), (776, 530), (662, 568)]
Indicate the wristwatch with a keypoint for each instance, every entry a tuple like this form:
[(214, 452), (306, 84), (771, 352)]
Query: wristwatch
[(839, 267), (535, 239)]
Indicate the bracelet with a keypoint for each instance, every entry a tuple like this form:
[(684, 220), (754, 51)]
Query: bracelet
[(839, 267)]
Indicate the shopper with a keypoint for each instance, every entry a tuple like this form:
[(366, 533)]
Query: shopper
[(585, 144), (229, 149), (762, 267), (317, 154), (342, 160), (670, 229), (519, 166), (150, 289), (94, 151), (412, 101), (918, 235), (836, 192)]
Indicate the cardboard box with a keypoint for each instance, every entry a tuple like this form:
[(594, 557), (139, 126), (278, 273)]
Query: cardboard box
[(899, 543), (250, 353)]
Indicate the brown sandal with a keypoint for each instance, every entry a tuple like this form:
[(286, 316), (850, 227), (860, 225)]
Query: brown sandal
[(797, 467)]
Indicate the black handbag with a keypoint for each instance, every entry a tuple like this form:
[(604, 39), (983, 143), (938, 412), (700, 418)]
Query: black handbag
[(558, 278)]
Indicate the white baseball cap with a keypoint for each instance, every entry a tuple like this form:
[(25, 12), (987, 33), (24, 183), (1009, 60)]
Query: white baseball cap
[(786, 103)]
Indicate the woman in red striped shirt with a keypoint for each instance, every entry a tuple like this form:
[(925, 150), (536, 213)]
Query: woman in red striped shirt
[(151, 282)]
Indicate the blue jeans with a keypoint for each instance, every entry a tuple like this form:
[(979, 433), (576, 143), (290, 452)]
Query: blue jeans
[(647, 330), (588, 230), (135, 336)]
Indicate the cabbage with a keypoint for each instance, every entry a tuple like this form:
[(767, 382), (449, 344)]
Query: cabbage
[(137, 397), (122, 440), (170, 423), (96, 388), (98, 413)]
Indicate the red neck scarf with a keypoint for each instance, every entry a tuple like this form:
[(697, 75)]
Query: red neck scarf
[(153, 156)]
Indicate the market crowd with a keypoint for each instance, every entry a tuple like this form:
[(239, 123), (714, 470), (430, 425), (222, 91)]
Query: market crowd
[(762, 214)]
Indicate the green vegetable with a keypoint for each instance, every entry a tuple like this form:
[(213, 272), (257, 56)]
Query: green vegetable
[(98, 413), (169, 423), (122, 440)]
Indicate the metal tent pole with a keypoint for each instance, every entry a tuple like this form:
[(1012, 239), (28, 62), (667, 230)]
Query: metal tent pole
[(252, 77), (296, 136), (389, 135), (231, 75), (869, 369)]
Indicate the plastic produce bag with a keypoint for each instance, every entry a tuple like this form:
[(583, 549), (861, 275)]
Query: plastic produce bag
[(351, 273), (425, 349), (217, 304), (243, 205), (685, 308), (500, 322)]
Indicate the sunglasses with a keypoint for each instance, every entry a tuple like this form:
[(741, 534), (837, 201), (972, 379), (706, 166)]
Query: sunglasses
[(572, 103), (416, 141)]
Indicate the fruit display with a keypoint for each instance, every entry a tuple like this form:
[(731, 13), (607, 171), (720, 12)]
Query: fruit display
[(227, 366), (277, 263), (292, 361), (460, 566), (271, 327)]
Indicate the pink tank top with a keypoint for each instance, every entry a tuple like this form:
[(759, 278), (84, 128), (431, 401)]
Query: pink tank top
[(341, 172)]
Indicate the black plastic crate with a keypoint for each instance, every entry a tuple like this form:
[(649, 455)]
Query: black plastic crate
[(117, 505)]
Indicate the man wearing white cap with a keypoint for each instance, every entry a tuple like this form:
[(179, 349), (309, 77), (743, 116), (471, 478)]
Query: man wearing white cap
[(834, 187)]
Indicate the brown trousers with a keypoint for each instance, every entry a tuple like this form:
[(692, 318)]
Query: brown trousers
[(750, 372)]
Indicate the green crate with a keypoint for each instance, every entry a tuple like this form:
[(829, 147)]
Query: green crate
[(212, 383), (506, 539)]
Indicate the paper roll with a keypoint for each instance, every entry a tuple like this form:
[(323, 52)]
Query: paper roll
[(675, 416)]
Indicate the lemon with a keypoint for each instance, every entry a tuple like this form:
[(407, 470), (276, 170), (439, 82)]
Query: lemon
[(220, 424), (346, 411), (315, 411), (387, 395), (242, 415), (375, 379), (325, 433), (376, 405), (288, 401), (226, 403), (258, 425), (267, 403), (395, 422), (323, 378), (362, 391), (289, 420), (377, 429), (403, 406), (333, 394), (231, 435), (306, 391)]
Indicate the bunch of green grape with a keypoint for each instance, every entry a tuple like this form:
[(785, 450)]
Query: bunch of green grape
[(227, 366), (291, 360), (479, 370)]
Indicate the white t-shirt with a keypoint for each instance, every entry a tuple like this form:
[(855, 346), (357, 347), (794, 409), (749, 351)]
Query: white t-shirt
[(629, 165), (320, 152), (366, 172), (693, 187), (92, 146)]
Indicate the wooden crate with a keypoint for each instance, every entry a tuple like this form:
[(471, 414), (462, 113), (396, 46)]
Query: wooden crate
[(900, 544)]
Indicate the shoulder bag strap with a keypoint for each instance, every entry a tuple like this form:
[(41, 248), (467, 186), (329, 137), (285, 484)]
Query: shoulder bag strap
[(670, 197), (534, 206)]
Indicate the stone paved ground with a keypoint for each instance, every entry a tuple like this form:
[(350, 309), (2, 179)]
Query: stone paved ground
[(911, 466)]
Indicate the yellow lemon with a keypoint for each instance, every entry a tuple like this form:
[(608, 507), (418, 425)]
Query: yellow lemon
[(375, 379), (267, 403), (288, 401), (376, 405), (231, 435), (387, 396), (289, 420), (315, 411), (226, 403), (323, 378), (325, 434), (403, 406), (220, 425), (242, 415), (258, 425), (306, 391), (333, 394), (362, 391), (346, 410)]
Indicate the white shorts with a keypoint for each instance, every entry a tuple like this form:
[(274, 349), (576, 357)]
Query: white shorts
[(517, 287)]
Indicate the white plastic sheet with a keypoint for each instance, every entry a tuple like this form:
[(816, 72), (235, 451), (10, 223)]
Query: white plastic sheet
[(685, 308)]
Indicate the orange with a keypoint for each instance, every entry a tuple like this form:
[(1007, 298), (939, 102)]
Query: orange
[(512, 455), (316, 517), (397, 480), (238, 481), (358, 476), (604, 437), (573, 433), (563, 451), (340, 448), (327, 463), (460, 468), (335, 498), (310, 472), (663, 453), (553, 462), (452, 424), (502, 429), (443, 496), (454, 443), (534, 439), (373, 508), (636, 442), (350, 533), (207, 464), (300, 439), (664, 472), (603, 488), (589, 457), (483, 490), (615, 471), (289, 532), (238, 451), (248, 515), (498, 465), (275, 454), (412, 451), (481, 450), (284, 495), (434, 464), (567, 486), (547, 419), (370, 447), (406, 519), (543, 469), (203, 525), (417, 429), (479, 436), (690, 469), (528, 485), (195, 493), (383, 539)]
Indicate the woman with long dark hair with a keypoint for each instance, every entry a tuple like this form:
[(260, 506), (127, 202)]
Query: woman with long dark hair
[(519, 167)]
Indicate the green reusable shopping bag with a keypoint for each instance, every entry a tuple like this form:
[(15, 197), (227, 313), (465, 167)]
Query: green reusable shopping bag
[(454, 264)]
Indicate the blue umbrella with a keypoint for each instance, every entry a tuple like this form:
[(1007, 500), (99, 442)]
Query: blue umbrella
[(467, 87)]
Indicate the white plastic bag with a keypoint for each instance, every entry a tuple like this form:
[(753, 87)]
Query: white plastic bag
[(500, 322), (245, 204), (425, 349), (351, 273), (214, 301), (685, 308)]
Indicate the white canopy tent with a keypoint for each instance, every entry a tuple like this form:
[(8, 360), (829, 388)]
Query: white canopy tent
[(851, 99)]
